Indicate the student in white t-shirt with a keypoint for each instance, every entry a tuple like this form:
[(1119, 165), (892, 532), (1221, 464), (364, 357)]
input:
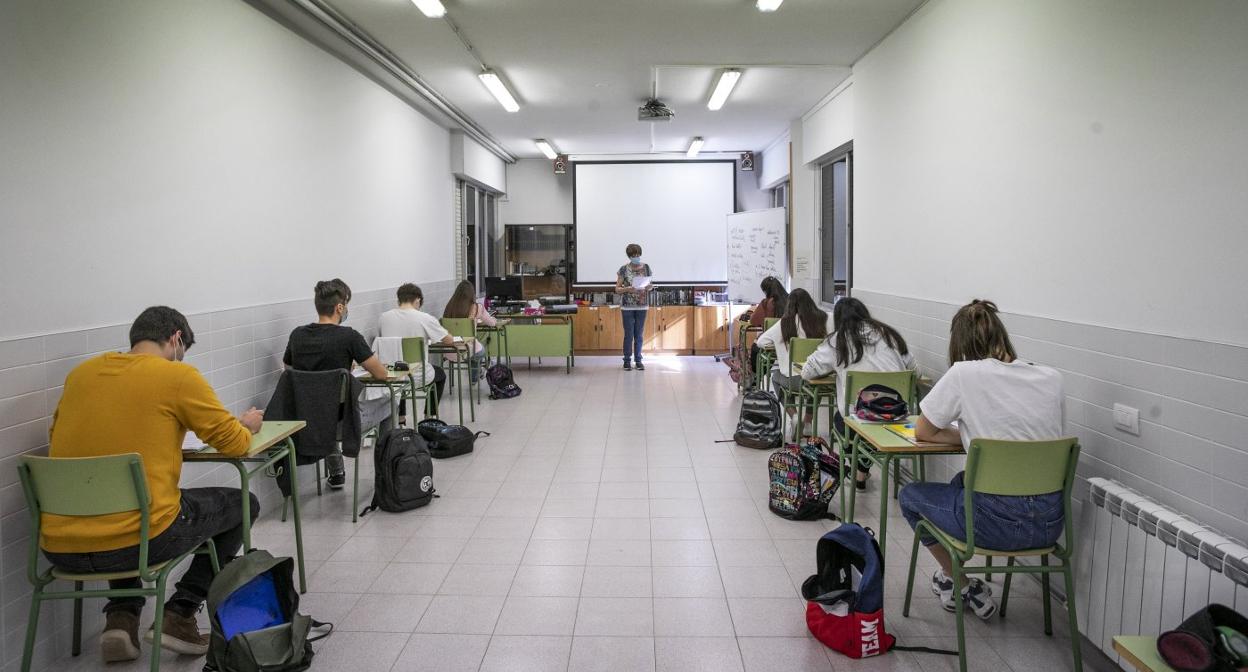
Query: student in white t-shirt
[(408, 321), (989, 393), (859, 343), (802, 319)]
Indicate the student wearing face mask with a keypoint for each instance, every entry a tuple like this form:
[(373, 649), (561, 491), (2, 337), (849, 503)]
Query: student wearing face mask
[(632, 282), (326, 345), (143, 401)]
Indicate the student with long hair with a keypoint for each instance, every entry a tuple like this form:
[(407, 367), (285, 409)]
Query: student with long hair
[(990, 394), (802, 319), (775, 296), (463, 304), (858, 342)]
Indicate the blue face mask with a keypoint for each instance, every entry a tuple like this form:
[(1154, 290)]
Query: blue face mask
[(344, 315), (635, 260)]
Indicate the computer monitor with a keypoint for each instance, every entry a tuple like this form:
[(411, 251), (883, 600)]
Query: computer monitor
[(503, 289)]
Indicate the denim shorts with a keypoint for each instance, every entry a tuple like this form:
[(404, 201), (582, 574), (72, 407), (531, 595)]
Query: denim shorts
[(1002, 523)]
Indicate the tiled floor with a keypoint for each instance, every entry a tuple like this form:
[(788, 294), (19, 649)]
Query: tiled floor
[(602, 528)]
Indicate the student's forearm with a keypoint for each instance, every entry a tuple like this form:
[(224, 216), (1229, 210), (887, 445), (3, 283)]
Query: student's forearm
[(924, 430)]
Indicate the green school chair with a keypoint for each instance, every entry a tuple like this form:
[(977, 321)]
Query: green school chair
[(1016, 469), (414, 354), (92, 486), (799, 350), (464, 327), (766, 358)]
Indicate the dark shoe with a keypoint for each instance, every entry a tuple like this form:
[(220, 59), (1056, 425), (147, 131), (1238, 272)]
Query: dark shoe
[(641, 367), (336, 471), (628, 366), (861, 485), (120, 641), (180, 634)]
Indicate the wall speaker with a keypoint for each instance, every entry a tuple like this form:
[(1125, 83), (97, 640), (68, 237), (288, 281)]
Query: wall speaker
[(747, 161), (561, 164)]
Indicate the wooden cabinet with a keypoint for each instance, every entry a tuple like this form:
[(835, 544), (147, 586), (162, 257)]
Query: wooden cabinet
[(585, 328), (651, 331), (676, 328), (610, 329), (710, 329)]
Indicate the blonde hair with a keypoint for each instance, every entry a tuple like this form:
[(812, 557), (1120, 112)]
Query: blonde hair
[(977, 333)]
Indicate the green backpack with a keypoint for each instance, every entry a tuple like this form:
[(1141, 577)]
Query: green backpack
[(256, 624)]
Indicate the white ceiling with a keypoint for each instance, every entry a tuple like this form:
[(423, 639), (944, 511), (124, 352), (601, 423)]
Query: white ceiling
[(580, 68)]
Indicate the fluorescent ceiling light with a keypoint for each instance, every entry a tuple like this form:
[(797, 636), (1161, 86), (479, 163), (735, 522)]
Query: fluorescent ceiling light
[(492, 82), (695, 147), (546, 148), (768, 5), (434, 9), (727, 80)]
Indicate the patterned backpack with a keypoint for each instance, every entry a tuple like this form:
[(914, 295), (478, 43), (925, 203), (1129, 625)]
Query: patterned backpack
[(803, 481)]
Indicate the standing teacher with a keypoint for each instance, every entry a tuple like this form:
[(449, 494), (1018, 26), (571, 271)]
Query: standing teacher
[(632, 282)]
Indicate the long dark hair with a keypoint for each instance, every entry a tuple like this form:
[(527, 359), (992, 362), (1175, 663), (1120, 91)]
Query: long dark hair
[(774, 290), (977, 333), (461, 302), (853, 324), (802, 307)]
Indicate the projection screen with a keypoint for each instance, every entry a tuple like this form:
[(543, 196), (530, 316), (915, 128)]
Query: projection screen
[(677, 211)]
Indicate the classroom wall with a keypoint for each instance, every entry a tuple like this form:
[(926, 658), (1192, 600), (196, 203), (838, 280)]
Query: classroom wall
[(475, 163), (202, 156), (536, 194), (773, 163), (1081, 164)]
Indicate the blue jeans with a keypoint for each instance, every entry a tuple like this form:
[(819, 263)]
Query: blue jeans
[(634, 326), (1002, 523)]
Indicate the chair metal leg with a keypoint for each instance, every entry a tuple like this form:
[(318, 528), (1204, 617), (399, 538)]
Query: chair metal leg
[(76, 649), (32, 627), (318, 478), (914, 558), (988, 563), (1070, 611), (212, 555), (158, 624), (960, 612), (285, 503), (355, 491), (1005, 596), (1044, 582)]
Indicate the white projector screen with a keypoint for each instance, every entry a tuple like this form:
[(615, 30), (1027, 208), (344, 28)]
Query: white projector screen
[(677, 211)]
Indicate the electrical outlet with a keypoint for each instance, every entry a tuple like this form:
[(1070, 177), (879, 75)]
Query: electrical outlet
[(1127, 419)]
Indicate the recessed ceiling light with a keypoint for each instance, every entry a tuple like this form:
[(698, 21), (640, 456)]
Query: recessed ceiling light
[(494, 83), (546, 148), (695, 147), (434, 9), (768, 5), (727, 80)]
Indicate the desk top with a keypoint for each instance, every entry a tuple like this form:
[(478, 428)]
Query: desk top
[(499, 324), (452, 347), (885, 441), (1141, 652), (392, 377), (826, 380), (271, 433)]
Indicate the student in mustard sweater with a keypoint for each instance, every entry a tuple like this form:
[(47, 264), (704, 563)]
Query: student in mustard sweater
[(143, 401)]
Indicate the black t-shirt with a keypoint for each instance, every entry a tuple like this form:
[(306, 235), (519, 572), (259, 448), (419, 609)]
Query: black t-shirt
[(325, 347)]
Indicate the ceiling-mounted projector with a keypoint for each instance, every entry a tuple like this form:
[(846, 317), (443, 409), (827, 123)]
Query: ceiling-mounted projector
[(655, 110)]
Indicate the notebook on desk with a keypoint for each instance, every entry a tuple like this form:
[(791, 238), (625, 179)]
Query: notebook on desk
[(905, 431), (192, 444)]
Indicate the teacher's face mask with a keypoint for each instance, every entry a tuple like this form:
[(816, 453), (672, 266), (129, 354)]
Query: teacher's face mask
[(635, 260)]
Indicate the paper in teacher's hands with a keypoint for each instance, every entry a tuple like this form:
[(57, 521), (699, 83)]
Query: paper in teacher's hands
[(641, 281)]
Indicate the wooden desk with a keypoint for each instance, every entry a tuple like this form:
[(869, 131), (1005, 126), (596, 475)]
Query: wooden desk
[(886, 447), (268, 447), (465, 348), (1141, 652)]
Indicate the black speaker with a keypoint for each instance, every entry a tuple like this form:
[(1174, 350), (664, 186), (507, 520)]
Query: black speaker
[(561, 164), (747, 161)]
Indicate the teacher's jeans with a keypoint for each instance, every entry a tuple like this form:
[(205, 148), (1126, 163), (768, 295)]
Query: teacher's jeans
[(634, 325)]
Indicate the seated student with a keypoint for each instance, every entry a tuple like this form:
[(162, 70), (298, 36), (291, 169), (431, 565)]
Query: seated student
[(143, 401), (463, 304), (409, 321), (326, 345), (990, 393), (775, 298), (858, 343), (802, 319)]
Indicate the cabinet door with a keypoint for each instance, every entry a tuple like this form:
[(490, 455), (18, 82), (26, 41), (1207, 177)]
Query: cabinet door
[(677, 331), (585, 328), (653, 328), (610, 329), (710, 334)]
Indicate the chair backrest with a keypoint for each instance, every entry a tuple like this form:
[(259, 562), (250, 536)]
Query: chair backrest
[(902, 381), (800, 349), (414, 350), (464, 327), (84, 486), (1021, 468), (769, 322)]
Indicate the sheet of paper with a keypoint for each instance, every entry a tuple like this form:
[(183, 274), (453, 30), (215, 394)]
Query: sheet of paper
[(641, 281), (457, 339), (192, 443)]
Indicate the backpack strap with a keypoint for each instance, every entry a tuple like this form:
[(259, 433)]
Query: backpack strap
[(480, 434), (923, 649), (319, 624)]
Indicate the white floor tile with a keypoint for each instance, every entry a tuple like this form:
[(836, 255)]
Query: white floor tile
[(612, 654)]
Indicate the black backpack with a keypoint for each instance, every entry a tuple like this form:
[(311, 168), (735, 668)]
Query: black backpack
[(759, 425), (404, 472), (447, 440), (253, 609), (502, 384)]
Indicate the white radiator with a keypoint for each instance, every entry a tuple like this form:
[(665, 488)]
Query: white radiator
[(1143, 568)]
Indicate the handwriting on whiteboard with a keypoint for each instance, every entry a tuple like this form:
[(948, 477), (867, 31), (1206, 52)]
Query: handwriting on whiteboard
[(756, 250)]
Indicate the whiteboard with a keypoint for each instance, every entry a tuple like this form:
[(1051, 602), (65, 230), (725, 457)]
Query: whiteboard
[(674, 210), (756, 249)]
